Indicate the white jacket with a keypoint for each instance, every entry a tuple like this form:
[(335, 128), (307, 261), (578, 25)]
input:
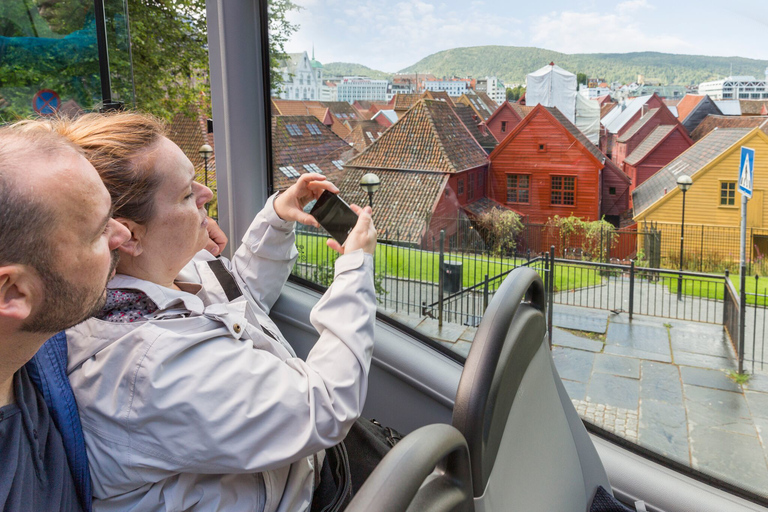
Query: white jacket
[(200, 408)]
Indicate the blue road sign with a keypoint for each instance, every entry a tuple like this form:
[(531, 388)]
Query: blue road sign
[(746, 171), (46, 102)]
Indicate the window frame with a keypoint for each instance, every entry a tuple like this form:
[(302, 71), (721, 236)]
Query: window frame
[(528, 188), (724, 183), (562, 190)]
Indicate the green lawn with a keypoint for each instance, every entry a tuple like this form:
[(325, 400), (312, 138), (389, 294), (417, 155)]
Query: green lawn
[(714, 288), (409, 263)]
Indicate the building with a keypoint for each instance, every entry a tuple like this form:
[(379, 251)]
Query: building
[(476, 127), (430, 168), (328, 91), (302, 144), (353, 88), (639, 130), (713, 199), (453, 87), (363, 134), (620, 118), (711, 123), (694, 108), (493, 87), (504, 120), (594, 92), (736, 88), (302, 78), (547, 167), (480, 102)]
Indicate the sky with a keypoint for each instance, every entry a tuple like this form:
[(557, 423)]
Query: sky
[(391, 35)]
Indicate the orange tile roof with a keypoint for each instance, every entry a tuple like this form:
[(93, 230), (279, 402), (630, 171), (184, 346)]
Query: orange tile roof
[(404, 102), (687, 104), (438, 95), (302, 140), (294, 107), (429, 137), (403, 204), (363, 134), (470, 120), (712, 122), (189, 134)]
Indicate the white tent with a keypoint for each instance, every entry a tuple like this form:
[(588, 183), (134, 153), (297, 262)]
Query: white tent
[(552, 86)]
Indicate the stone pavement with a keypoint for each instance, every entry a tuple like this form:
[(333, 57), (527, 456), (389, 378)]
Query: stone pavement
[(670, 376)]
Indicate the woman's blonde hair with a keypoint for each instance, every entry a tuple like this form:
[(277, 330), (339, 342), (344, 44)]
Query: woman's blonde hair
[(116, 144)]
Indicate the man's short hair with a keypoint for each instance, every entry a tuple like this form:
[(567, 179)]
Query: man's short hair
[(26, 221)]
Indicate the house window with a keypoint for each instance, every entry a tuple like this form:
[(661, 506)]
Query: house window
[(518, 188), (563, 190), (542, 147), (460, 188), (727, 193), (503, 127), (294, 130), (471, 186), (612, 191), (313, 129)]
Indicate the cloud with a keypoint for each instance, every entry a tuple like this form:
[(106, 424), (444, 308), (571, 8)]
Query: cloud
[(613, 32)]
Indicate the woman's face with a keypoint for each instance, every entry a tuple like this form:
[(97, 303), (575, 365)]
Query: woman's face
[(177, 230)]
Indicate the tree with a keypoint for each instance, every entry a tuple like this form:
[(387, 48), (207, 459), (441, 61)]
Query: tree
[(280, 30), (515, 93), (581, 78)]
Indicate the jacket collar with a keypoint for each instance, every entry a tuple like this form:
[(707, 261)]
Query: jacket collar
[(164, 298)]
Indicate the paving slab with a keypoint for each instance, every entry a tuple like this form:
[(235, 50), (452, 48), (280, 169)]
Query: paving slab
[(623, 318), (701, 339), (762, 431), (448, 332), (643, 337), (581, 319), (732, 457), (566, 339), (573, 364), (663, 429), (639, 354), (617, 365), (576, 390), (758, 404), (612, 390), (661, 382), (719, 409), (708, 379), (757, 382), (409, 320), (704, 361), (469, 334)]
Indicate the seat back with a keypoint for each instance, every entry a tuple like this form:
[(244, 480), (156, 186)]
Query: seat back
[(528, 448), (406, 478)]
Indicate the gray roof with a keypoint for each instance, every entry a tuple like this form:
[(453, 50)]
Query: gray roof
[(650, 142), (638, 125), (729, 107), (614, 123), (690, 162)]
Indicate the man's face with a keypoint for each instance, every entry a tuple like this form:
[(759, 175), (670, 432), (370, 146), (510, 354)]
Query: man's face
[(83, 246)]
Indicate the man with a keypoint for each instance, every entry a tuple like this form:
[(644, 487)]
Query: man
[(58, 249)]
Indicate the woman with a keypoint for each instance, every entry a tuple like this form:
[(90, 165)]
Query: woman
[(190, 397)]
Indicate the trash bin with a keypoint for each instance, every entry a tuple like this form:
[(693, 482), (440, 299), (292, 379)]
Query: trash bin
[(452, 276)]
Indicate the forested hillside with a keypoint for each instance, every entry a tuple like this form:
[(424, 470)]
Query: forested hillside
[(348, 69)]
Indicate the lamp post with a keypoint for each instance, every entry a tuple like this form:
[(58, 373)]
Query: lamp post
[(683, 183), (205, 151), (370, 183)]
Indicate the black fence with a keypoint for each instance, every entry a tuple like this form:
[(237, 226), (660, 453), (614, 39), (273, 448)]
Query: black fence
[(753, 352)]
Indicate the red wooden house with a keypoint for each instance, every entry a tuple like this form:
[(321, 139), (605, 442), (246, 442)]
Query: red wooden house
[(639, 130), (547, 167), (622, 117), (664, 144), (503, 121)]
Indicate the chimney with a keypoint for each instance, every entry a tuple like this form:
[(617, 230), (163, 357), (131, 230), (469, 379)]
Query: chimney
[(645, 109)]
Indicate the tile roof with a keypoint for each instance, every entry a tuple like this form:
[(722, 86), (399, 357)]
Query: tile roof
[(649, 143), (523, 110), (483, 206), (438, 95), (687, 104), (363, 134), (638, 125), (467, 116), (753, 107), (492, 105), (404, 102), (403, 204), (302, 140), (189, 134), (473, 100), (342, 110), (577, 133), (429, 137), (690, 162), (294, 107), (712, 122)]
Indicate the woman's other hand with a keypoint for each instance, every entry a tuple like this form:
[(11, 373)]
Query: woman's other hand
[(218, 240), (362, 236), (290, 204)]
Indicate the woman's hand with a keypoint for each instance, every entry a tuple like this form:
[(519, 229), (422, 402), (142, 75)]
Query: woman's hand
[(290, 204), (362, 236), (218, 240)]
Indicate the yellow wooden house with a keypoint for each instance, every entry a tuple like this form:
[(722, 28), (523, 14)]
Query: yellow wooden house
[(712, 204)]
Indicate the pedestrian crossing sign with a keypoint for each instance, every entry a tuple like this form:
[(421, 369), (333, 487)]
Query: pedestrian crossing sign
[(746, 171)]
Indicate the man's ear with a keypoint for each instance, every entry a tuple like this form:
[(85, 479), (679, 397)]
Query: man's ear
[(20, 289), (133, 246)]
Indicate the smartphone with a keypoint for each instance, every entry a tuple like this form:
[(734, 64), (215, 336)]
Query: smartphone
[(335, 215)]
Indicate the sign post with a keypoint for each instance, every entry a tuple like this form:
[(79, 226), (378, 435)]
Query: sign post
[(746, 180)]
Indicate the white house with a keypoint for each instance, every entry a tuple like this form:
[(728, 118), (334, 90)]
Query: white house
[(493, 87), (354, 88), (302, 78), (452, 87), (736, 88)]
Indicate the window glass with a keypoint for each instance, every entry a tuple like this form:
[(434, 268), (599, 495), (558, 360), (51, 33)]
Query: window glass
[(728, 193), (563, 188), (517, 188)]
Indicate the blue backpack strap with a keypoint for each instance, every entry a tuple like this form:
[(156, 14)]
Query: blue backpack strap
[(48, 371)]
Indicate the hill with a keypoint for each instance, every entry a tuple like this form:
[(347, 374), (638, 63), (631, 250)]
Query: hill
[(348, 69), (512, 63)]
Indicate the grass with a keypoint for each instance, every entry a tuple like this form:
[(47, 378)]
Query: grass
[(419, 265), (586, 334), (739, 378), (713, 288)]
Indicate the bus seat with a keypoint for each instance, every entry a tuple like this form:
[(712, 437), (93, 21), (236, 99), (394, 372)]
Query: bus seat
[(528, 448), (427, 471)]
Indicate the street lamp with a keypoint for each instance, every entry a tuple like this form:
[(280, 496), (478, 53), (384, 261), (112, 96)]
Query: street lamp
[(205, 151), (683, 183), (370, 183)]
